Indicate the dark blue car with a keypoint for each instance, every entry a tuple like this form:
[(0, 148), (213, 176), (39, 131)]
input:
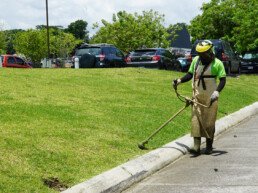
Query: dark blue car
[(249, 62), (99, 55)]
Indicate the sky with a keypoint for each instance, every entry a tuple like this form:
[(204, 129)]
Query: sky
[(27, 14)]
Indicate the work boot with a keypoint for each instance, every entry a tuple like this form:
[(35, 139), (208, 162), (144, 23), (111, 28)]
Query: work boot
[(209, 142), (196, 151)]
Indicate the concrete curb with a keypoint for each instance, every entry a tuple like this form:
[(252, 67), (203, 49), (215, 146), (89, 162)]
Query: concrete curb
[(123, 176)]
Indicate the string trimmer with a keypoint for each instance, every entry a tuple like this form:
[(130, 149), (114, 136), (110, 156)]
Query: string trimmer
[(187, 102)]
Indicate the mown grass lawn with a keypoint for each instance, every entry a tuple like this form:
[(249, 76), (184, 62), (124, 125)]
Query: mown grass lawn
[(72, 124)]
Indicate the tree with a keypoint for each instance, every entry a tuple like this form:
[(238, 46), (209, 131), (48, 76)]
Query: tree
[(40, 27), (130, 31), (32, 43), (231, 20), (79, 30), (245, 33), (10, 35), (215, 22), (2, 41), (61, 44)]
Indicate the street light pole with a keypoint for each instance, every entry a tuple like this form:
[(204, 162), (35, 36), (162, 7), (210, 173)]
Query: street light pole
[(48, 50)]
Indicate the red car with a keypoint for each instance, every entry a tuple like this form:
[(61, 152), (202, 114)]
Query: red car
[(14, 62)]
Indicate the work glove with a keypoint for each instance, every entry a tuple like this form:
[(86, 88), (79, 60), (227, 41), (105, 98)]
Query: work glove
[(176, 82), (214, 96)]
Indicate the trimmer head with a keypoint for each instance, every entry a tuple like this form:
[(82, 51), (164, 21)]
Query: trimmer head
[(142, 145)]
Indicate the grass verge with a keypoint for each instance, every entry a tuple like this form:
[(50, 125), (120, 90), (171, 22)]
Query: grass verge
[(64, 126)]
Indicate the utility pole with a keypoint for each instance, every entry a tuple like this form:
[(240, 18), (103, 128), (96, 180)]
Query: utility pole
[(48, 50)]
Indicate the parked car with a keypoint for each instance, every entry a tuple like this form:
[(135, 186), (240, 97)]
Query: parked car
[(12, 61), (224, 52), (152, 58), (249, 62), (182, 64), (99, 55)]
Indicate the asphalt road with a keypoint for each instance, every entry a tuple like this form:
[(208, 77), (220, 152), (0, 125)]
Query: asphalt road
[(232, 168)]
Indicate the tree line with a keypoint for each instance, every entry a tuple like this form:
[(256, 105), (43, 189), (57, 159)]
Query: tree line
[(32, 42), (231, 20)]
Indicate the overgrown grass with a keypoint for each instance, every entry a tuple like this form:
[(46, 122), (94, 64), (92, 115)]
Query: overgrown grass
[(73, 124)]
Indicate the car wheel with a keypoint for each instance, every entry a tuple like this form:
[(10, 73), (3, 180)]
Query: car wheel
[(160, 65), (239, 69), (107, 64), (178, 67), (229, 70), (165, 66), (87, 61)]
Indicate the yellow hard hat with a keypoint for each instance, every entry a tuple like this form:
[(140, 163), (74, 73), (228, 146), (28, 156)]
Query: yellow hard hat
[(204, 46)]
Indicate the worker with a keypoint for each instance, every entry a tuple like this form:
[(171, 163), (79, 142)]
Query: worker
[(204, 70)]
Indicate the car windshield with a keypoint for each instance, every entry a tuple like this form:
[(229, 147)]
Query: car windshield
[(93, 51), (143, 53), (249, 56), (217, 45)]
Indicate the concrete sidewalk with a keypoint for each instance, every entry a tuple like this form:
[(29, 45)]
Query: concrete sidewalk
[(129, 173), (231, 168)]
